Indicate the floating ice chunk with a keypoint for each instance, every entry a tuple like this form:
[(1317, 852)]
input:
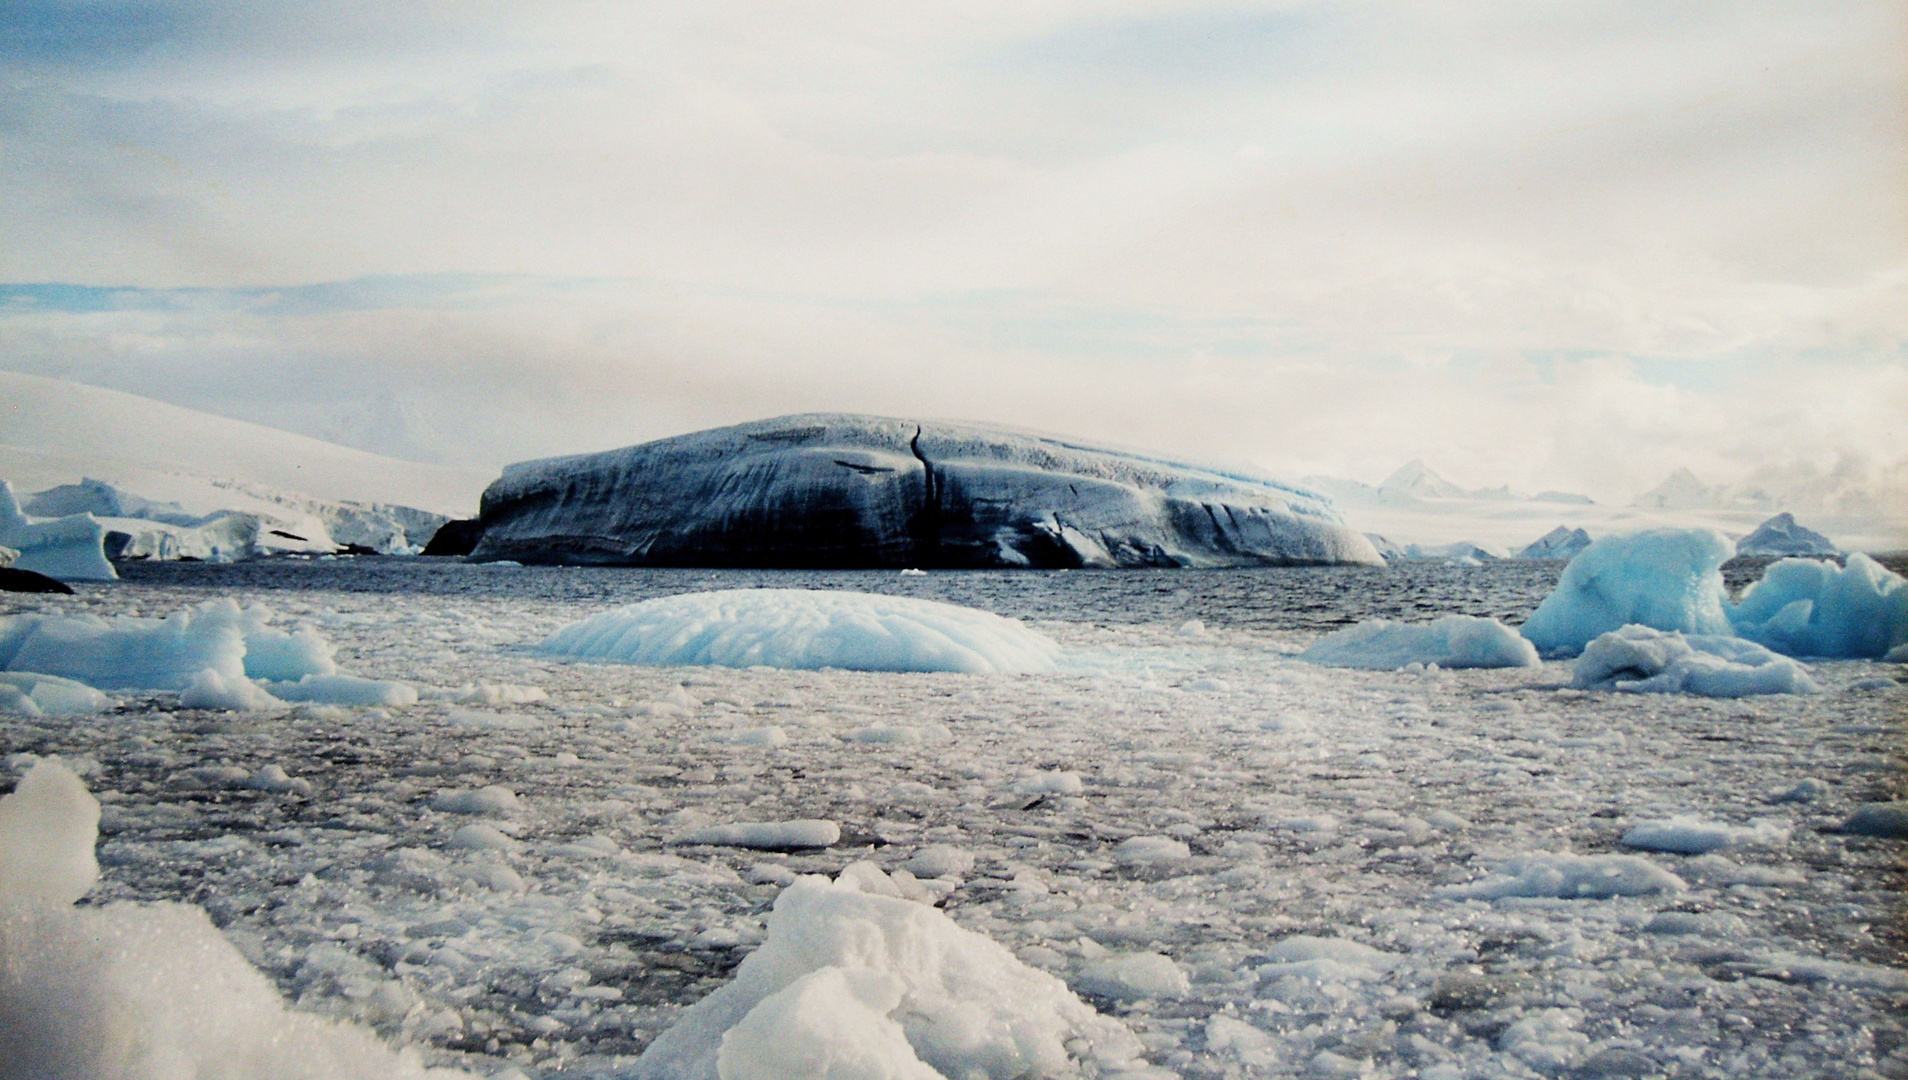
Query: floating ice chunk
[(939, 860), (1669, 579), (35, 694), (1704, 924), (806, 629), (1547, 1040), (491, 721), (1806, 790), (1134, 976), (1641, 660), (1691, 836), (1302, 947), (1884, 819), (498, 694), (965, 1006), (768, 835), (274, 778), (772, 735), (70, 548), (495, 799), (211, 690), (1193, 628), (1804, 607), (1151, 851), (1789, 967), (47, 827), (484, 838), (1571, 877), (345, 690), (162, 654), (830, 1024), (1052, 783), (1454, 641)]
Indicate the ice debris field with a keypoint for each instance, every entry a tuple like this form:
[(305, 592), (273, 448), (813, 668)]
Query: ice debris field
[(508, 832)]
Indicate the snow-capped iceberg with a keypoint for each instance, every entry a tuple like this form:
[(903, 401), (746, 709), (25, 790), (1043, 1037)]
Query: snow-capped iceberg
[(1782, 535), (854, 980), (841, 491), (1562, 542), (1805, 607), (806, 629), (1454, 641), (1641, 660), (69, 548), (1668, 579)]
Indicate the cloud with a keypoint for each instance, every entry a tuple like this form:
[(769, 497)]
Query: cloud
[(1564, 245)]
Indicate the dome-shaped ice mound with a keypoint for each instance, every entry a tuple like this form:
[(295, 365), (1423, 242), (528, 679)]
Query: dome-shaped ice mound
[(806, 629)]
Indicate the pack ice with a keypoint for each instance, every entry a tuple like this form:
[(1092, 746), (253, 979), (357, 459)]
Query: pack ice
[(806, 629), (1454, 641), (853, 983), (842, 491), (131, 991)]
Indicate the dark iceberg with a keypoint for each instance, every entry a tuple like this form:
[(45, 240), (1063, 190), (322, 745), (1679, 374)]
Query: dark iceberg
[(827, 491)]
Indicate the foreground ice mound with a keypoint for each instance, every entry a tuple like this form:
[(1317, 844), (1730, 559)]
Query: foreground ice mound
[(1454, 641), (840, 491), (850, 984), (1803, 607), (1641, 660), (130, 652), (1669, 579), (139, 991), (70, 548), (806, 629)]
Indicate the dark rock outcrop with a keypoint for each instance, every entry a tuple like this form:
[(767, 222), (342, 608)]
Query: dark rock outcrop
[(12, 580), (455, 537), (837, 491)]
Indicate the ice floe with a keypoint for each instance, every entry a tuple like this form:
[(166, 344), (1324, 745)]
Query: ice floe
[(806, 629), (1454, 641), (1683, 835), (1572, 877), (1638, 659)]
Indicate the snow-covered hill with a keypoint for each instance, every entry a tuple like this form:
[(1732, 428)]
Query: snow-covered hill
[(55, 432)]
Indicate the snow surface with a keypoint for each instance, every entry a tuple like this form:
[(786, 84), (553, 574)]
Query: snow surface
[(1668, 579), (565, 935), (1805, 607), (1454, 641), (805, 629), (1640, 660)]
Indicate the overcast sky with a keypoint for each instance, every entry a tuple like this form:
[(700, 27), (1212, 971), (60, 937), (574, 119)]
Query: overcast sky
[(1547, 243)]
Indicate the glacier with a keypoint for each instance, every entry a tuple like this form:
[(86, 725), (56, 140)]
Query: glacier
[(846, 491)]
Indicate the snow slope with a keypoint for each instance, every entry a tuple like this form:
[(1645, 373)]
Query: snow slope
[(56, 432)]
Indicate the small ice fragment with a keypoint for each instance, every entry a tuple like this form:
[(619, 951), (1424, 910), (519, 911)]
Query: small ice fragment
[(273, 778), (768, 835), (1454, 641), (495, 799), (484, 838), (1054, 783), (1806, 790), (1571, 877), (211, 690), (1884, 819), (1134, 976), (47, 827), (939, 860), (1690, 836), (1207, 685), (1192, 628), (1151, 851)]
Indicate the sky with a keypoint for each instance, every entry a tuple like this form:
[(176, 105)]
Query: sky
[(1548, 243)]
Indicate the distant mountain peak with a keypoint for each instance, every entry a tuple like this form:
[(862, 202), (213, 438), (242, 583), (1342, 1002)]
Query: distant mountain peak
[(1416, 479)]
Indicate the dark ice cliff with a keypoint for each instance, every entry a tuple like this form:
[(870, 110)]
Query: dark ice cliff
[(839, 491)]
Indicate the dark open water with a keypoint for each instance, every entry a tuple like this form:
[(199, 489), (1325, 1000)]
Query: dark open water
[(1271, 598)]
